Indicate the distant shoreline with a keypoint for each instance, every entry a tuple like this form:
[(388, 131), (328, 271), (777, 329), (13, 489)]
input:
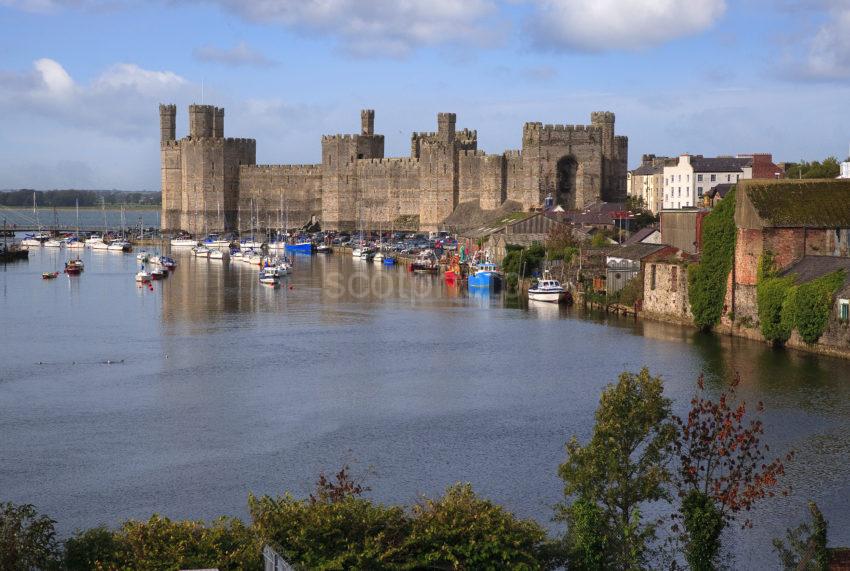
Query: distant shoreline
[(108, 207)]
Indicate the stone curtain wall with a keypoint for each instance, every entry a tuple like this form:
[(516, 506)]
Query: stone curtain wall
[(666, 298), (209, 182)]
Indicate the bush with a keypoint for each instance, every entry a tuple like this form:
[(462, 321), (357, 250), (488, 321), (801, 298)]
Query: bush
[(462, 531), (707, 280), (774, 317), (528, 259), (812, 304), (704, 523), (160, 543)]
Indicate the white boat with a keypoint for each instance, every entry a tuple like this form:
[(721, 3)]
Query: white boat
[(74, 243), (323, 249), (269, 276), (236, 255), (164, 261), (53, 243), (159, 273), (547, 289), (184, 242), (379, 256), (201, 252), (119, 246), (142, 275), (143, 256), (276, 246), (255, 259), (250, 245), (31, 242), (357, 252), (94, 239), (216, 254), (99, 245)]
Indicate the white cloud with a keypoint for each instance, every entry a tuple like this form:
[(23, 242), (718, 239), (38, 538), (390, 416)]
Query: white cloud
[(377, 28), (239, 55), (610, 25), (120, 102), (826, 56)]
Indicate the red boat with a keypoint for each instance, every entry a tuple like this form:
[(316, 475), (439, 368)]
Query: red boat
[(74, 267), (49, 275)]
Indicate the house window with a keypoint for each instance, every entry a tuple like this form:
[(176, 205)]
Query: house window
[(713, 177), (844, 309), (728, 177), (699, 177), (680, 178), (652, 277), (674, 278), (699, 190)]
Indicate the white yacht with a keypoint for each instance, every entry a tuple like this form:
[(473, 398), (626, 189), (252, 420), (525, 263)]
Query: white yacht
[(184, 242), (94, 239), (201, 251), (98, 245), (142, 275), (216, 254), (119, 246), (547, 289), (53, 243)]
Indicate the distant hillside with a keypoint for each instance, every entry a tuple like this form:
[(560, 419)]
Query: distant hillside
[(70, 197)]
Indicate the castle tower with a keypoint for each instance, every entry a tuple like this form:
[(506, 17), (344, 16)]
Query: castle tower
[(446, 126), (218, 123), (201, 121), (367, 122), (613, 188), (167, 123)]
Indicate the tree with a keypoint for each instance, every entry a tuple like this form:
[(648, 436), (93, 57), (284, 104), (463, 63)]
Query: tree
[(27, 539), (622, 467), (463, 531), (723, 470), (806, 544)]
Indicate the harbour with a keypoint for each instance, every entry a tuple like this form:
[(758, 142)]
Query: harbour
[(121, 401)]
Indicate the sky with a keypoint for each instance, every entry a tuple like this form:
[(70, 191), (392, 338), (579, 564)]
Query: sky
[(81, 80)]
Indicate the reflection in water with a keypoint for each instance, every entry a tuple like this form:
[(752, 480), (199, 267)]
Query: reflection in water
[(225, 385)]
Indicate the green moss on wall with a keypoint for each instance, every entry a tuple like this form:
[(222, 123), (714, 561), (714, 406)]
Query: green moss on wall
[(812, 304)]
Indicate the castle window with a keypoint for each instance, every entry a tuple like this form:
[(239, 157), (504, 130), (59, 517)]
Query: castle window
[(652, 277), (674, 278)]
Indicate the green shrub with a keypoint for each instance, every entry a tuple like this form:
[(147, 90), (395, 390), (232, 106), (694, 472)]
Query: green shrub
[(463, 531), (704, 523), (771, 295), (707, 280), (520, 259), (812, 304)]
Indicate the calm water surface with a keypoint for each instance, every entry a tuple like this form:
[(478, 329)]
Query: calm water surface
[(219, 386), (88, 217)]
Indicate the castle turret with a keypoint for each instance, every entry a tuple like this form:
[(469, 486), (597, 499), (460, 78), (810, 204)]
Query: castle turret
[(367, 122), (218, 123), (446, 126), (605, 121), (201, 121), (167, 123)]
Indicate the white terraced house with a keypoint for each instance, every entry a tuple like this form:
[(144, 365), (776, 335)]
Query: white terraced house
[(686, 182)]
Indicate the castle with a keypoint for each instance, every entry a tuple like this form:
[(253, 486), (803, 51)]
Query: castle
[(212, 183)]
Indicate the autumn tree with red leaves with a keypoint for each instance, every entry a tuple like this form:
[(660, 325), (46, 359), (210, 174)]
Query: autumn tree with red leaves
[(723, 470)]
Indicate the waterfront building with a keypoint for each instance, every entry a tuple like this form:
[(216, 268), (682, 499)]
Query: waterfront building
[(647, 181)]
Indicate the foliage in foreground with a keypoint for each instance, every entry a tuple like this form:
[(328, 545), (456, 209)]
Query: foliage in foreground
[(639, 454), (623, 467), (804, 546)]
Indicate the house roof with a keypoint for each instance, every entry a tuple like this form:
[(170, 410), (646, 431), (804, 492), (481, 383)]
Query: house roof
[(635, 251), (640, 235), (788, 203), (720, 164), (721, 189), (645, 170), (812, 267)]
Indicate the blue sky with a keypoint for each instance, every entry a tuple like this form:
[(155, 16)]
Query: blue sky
[(80, 80)]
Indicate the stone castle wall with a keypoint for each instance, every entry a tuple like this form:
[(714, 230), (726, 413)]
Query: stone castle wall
[(212, 183)]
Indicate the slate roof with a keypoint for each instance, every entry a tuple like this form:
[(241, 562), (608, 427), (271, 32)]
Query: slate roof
[(646, 170), (721, 189), (794, 203), (636, 251), (636, 237), (720, 164), (812, 267)]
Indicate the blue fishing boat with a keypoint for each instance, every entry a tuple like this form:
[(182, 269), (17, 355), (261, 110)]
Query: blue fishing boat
[(303, 247), (485, 275), (389, 261)]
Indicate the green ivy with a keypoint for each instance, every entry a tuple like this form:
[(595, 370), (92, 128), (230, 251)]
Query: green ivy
[(812, 304), (771, 294), (707, 280)]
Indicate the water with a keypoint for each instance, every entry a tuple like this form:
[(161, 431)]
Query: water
[(89, 217), (219, 386)]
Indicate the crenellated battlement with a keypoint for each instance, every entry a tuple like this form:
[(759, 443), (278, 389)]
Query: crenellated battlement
[(354, 181)]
